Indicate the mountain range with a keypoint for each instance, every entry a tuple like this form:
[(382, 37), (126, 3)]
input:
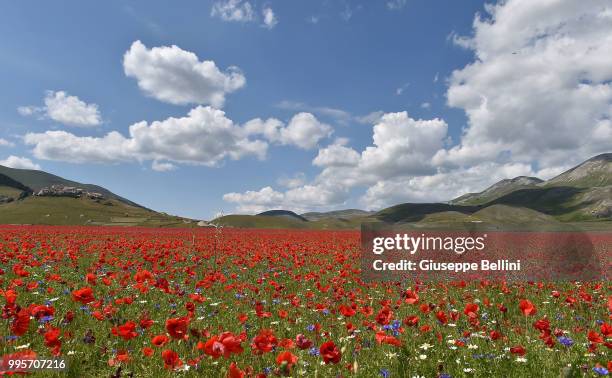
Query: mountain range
[(582, 194)]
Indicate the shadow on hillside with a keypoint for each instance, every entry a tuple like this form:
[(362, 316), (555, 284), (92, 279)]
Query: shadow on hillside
[(414, 212), (552, 201)]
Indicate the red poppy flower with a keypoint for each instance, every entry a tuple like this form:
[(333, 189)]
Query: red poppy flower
[(542, 325), (147, 352), (519, 350), (126, 331), (527, 308), (471, 310), (411, 297), (286, 360), (441, 316), (235, 372), (411, 321), (23, 355), (264, 341), (302, 342), (383, 338), (177, 327), (222, 345), (384, 316), (330, 352), (21, 323), (594, 337), (171, 359), (83, 295), (52, 337), (159, 340)]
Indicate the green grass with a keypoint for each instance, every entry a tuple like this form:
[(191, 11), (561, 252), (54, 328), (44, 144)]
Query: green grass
[(81, 211), (9, 191), (259, 221)]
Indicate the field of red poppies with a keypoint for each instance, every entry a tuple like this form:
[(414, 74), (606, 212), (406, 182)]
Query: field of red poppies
[(117, 302)]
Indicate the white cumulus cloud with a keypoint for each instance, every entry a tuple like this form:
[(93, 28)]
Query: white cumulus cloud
[(204, 137), (63, 108), (173, 75), (233, 10), (304, 130), (540, 87), (19, 162)]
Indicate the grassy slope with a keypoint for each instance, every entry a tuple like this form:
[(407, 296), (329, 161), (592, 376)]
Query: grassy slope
[(69, 211), (9, 191), (37, 180), (258, 221)]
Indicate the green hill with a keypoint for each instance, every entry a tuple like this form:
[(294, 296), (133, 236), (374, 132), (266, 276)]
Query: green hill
[(37, 180), (497, 190), (283, 214), (81, 211), (595, 172), (581, 194), (20, 205)]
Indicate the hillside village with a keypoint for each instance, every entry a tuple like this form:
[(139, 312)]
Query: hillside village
[(67, 191)]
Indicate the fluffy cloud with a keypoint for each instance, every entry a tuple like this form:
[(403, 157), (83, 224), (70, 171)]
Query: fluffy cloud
[(441, 186), (65, 109), (162, 166), (298, 199), (19, 162), (243, 11), (540, 87), (176, 76), (269, 18), (337, 155), (295, 181), (204, 137), (233, 10), (304, 130), (6, 143), (402, 146)]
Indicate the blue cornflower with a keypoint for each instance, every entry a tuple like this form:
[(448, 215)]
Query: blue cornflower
[(325, 312), (385, 373), (444, 375), (313, 352), (310, 327), (600, 370), (566, 341), (46, 319), (599, 322)]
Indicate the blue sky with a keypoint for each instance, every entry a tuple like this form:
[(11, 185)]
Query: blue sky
[(66, 85)]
